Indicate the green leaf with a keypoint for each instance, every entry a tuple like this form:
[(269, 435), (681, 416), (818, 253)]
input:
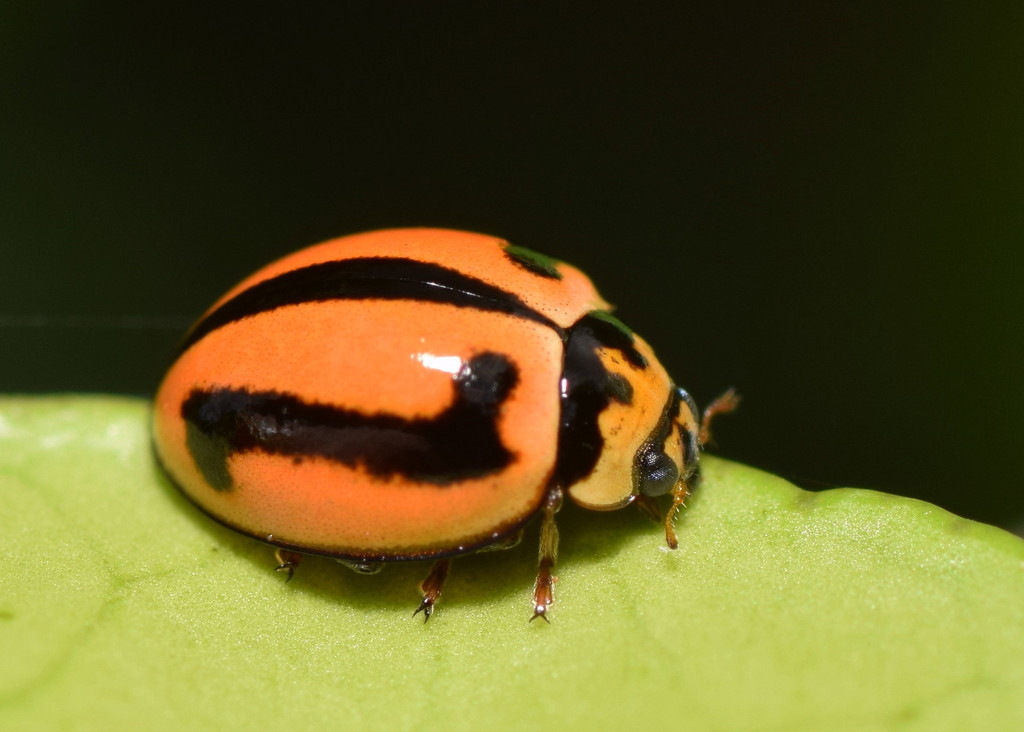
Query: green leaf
[(122, 607)]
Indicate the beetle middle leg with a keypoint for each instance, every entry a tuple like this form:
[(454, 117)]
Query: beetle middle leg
[(544, 587), (431, 587)]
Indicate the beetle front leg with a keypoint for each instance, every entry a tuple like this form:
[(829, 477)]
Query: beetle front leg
[(544, 587), (725, 403), (431, 587), (679, 495)]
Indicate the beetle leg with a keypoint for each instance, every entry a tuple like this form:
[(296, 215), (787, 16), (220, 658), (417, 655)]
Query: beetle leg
[(361, 567), (544, 587), (648, 505), (510, 541), (723, 404), (287, 561), (431, 587), (679, 495)]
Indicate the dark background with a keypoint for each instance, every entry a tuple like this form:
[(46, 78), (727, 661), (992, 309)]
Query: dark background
[(819, 203)]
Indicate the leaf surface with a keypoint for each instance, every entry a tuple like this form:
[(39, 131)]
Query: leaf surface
[(122, 606)]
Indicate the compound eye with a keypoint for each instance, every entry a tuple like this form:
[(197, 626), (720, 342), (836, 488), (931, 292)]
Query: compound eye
[(658, 473)]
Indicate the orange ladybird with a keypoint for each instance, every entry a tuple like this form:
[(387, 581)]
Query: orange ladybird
[(419, 394)]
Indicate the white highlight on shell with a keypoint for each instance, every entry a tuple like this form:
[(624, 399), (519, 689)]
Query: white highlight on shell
[(448, 364)]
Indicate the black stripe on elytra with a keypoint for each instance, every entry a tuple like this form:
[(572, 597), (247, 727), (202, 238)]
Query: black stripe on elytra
[(654, 472), (462, 442), (365, 278), (588, 388)]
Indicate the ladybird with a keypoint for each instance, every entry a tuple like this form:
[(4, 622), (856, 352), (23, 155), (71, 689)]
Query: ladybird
[(413, 394)]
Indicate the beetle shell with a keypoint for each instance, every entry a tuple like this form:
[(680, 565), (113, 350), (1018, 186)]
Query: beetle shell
[(414, 393)]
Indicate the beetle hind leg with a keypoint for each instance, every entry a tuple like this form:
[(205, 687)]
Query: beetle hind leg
[(287, 561), (544, 587), (431, 587)]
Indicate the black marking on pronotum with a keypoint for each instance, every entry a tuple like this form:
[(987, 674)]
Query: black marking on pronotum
[(363, 278), (654, 472), (539, 264), (691, 446), (613, 333), (588, 388), (460, 443)]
